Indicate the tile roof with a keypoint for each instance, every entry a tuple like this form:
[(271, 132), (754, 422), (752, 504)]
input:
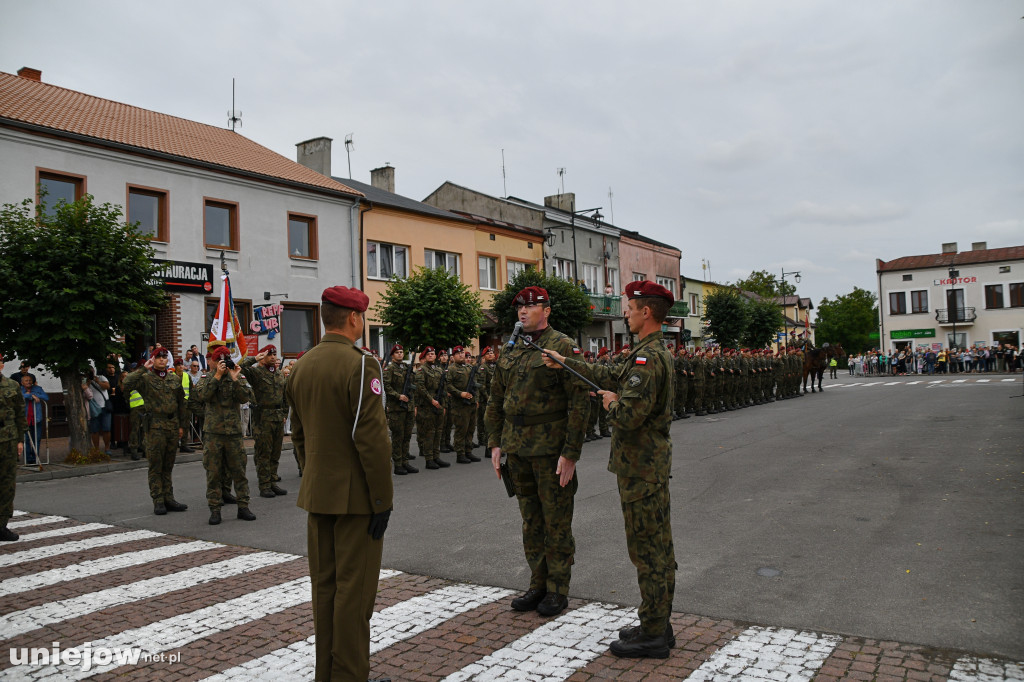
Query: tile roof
[(484, 220), (62, 111), (943, 260), (386, 198)]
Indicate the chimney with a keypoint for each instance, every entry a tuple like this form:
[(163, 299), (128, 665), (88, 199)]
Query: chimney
[(383, 178), (315, 154), (949, 247), (979, 246), (563, 202), (31, 74)]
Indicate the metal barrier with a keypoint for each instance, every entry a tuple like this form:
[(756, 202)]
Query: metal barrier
[(31, 441)]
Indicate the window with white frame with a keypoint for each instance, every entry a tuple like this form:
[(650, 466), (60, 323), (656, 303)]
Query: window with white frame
[(639, 276), (667, 282), (379, 340), (590, 278), (488, 272), (919, 301), (442, 260), (514, 267), (563, 268), (694, 305), (613, 279), (384, 261)]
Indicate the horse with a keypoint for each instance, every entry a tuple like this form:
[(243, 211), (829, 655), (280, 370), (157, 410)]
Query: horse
[(816, 360)]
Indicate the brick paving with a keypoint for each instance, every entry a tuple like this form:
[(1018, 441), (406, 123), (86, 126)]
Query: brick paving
[(257, 625)]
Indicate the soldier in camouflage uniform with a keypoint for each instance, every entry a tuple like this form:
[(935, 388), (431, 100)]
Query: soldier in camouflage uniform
[(445, 430), (401, 410), (484, 382), (536, 416), (166, 421), (268, 415), (638, 397), (13, 424), (429, 410), (463, 405), (681, 367), (223, 393)]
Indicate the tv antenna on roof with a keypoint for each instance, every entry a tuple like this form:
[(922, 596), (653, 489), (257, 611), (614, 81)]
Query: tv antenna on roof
[(349, 148), (561, 177), (234, 117)]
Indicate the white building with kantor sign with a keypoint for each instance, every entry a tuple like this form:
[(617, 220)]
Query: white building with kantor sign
[(959, 299)]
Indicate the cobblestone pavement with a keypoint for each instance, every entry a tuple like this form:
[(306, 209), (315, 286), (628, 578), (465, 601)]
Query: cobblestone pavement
[(197, 610)]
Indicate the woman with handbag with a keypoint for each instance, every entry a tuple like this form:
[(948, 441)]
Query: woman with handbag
[(100, 411)]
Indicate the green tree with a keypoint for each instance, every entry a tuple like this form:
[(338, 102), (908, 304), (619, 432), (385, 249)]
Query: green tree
[(430, 308), (75, 277), (726, 314), (767, 285), (764, 318), (571, 309), (849, 320)]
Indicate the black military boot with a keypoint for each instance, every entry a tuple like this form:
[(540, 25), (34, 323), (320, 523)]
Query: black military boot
[(214, 517), (277, 490), (410, 469), (159, 508), (175, 506), (471, 457), (529, 600), (432, 464), (185, 448), (632, 632), (245, 514), (400, 470), (265, 493), (462, 459), (228, 498), (7, 535), (443, 464), (642, 646), (552, 604)]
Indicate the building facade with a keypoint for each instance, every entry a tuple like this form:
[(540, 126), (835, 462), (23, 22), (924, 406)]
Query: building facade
[(953, 299)]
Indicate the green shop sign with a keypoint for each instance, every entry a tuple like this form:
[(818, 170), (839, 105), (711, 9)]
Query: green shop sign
[(913, 334)]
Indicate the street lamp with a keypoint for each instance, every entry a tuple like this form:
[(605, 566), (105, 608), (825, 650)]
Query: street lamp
[(549, 235), (785, 318), (953, 274)]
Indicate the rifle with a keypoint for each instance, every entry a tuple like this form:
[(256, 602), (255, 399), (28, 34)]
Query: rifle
[(407, 386), (442, 388), (471, 384)]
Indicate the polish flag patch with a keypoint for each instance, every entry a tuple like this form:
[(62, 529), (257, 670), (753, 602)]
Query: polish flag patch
[(375, 386), (575, 351), (641, 360)]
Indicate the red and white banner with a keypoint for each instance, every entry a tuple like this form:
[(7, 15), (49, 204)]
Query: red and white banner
[(226, 326)]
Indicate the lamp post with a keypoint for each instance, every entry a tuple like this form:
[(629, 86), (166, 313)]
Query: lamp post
[(951, 300), (785, 318), (549, 236)]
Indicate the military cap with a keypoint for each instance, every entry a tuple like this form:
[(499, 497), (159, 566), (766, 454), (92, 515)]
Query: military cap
[(428, 349), (644, 289), (178, 361), (457, 349), (346, 298), (218, 352), (161, 353), (532, 295), (486, 350), (269, 349), (603, 350), (395, 348)]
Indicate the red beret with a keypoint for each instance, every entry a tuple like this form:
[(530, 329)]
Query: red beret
[(269, 348), (396, 347), (602, 351), (486, 350), (644, 289), (346, 298), (428, 349), (178, 361), (457, 349), (219, 351), (532, 295)]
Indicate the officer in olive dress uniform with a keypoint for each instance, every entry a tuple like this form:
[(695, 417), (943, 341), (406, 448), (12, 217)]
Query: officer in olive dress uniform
[(166, 421), (638, 397), (340, 434), (13, 424), (401, 410), (268, 415), (223, 391), (429, 410), (536, 416)]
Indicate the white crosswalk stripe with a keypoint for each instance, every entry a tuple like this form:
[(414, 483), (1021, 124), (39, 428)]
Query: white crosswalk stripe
[(61, 532), (74, 546), (768, 654), (41, 521), (972, 669)]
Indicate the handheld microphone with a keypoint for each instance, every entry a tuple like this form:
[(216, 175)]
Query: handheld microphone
[(516, 331)]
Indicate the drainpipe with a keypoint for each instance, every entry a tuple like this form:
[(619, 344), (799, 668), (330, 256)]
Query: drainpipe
[(357, 252)]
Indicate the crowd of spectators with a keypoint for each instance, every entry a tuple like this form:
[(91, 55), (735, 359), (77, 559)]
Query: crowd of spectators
[(899, 362)]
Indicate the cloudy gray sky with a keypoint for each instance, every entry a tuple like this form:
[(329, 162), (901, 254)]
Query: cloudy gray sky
[(800, 134)]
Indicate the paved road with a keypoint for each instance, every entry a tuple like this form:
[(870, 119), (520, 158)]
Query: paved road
[(883, 513)]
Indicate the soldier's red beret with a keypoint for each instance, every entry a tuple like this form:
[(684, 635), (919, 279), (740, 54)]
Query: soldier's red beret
[(532, 295), (346, 298), (219, 351), (269, 349), (396, 347), (428, 349), (644, 289), (603, 350), (486, 350), (457, 349)]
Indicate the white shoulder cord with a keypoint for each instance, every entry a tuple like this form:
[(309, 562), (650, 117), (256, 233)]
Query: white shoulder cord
[(362, 380)]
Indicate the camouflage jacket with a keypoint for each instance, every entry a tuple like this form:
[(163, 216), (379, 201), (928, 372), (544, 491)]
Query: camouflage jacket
[(12, 411), (268, 388), (164, 396), (394, 382), (535, 411), (427, 381), (483, 380), (642, 415), (222, 398)]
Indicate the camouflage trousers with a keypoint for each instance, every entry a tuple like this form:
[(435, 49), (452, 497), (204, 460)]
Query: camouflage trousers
[(428, 432), (464, 421), (546, 508), (400, 424), (268, 434), (679, 402), (136, 432), (646, 510), (602, 420), (8, 479), (224, 460), (697, 397), (691, 396), (161, 449), (481, 427), (593, 408)]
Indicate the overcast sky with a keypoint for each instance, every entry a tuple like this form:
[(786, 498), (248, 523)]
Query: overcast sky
[(798, 134)]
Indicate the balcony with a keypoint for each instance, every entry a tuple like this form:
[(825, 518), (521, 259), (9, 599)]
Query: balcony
[(679, 309), (606, 306), (955, 316)]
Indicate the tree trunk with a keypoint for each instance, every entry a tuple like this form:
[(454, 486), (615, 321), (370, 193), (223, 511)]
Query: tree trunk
[(77, 412)]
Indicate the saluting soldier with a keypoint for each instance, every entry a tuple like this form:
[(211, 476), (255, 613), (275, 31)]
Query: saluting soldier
[(268, 415), (224, 456), (13, 423), (638, 397), (340, 434), (536, 416), (401, 410), (165, 425), (463, 406), (429, 410)]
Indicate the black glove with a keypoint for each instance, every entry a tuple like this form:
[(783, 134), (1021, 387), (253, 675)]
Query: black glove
[(379, 524)]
